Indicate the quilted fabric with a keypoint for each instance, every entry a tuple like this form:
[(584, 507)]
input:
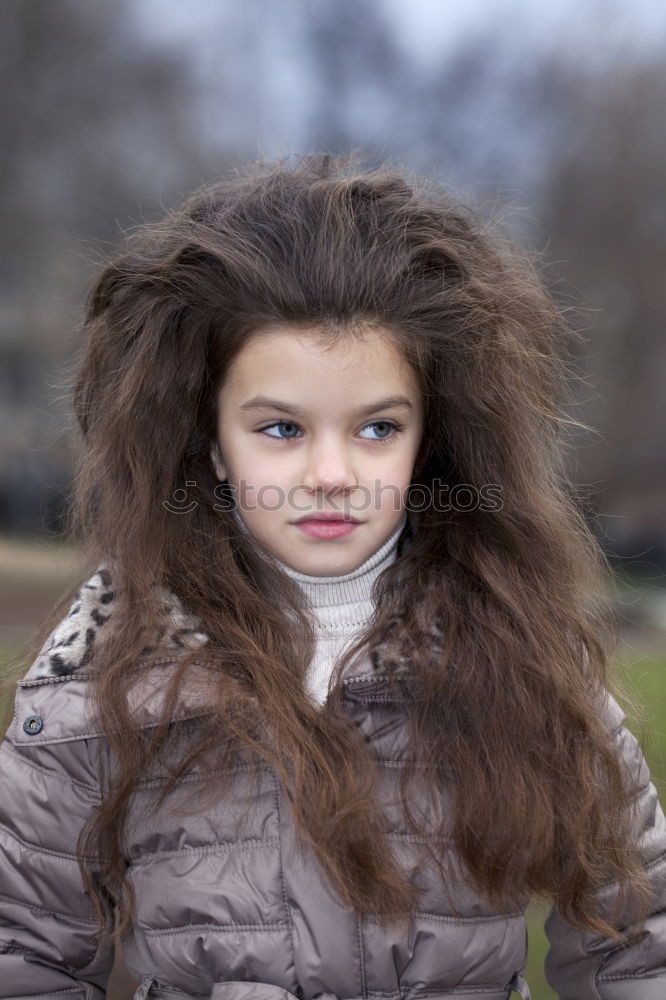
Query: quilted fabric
[(228, 907)]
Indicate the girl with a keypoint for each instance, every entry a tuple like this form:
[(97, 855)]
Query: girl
[(330, 703)]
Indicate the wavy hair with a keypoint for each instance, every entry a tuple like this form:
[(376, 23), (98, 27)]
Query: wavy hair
[(507, 716)]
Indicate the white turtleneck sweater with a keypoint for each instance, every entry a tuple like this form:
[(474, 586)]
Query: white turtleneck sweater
[(340, 607)]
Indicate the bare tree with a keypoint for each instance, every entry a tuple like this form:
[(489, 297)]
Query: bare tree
[(94, 123), (605, 212)]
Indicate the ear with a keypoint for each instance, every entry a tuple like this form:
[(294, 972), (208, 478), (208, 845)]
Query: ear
[(216, 459)]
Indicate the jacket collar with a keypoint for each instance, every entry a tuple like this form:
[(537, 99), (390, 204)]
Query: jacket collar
[(62, 710)]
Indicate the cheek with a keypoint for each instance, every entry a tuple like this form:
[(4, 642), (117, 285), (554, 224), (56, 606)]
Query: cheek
[(240, 452), (400, 468), (265, 469), (257, 470)]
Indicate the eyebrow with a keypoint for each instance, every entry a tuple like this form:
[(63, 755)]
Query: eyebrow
[(267, 403)]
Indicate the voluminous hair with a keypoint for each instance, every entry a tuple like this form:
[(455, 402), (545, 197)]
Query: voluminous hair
[(507, 719)]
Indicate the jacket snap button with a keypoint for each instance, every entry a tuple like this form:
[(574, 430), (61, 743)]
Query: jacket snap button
[(33, 725)]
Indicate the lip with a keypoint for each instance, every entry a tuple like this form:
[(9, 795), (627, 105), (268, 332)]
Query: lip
[(327, 528), (327, 516)]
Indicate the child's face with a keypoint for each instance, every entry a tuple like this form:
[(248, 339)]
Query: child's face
[(321, 450)]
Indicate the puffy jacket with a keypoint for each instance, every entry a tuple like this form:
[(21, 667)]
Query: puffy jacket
[(227, 908)]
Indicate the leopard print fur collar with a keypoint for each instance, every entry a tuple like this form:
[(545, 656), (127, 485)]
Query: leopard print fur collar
[(70, 646)]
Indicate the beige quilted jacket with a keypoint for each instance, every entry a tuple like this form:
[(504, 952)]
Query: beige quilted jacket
[(228, 909)]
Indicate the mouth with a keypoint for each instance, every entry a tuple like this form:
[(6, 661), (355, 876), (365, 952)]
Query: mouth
[(330, 517)]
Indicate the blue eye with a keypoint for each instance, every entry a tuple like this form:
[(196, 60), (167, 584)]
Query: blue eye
[(280, 424), (385, 424)]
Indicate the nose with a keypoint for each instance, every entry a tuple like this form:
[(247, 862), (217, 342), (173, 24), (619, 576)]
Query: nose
[(328, 467)]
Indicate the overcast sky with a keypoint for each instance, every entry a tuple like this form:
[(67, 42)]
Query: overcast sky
[(271, 85), (430, 27)]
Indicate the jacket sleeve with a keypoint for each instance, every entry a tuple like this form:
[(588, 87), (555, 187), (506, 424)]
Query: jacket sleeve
[(48, 932), (587, 966)]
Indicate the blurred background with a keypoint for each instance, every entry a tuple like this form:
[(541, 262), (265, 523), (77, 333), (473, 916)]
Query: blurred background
[(552, 115)]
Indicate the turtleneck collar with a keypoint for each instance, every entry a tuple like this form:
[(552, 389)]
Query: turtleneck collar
[(344, 602)]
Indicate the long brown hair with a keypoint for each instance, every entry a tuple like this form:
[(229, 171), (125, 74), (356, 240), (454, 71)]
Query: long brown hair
[(507, 715)]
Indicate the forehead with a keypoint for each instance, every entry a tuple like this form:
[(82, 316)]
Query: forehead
[(296, 358)]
